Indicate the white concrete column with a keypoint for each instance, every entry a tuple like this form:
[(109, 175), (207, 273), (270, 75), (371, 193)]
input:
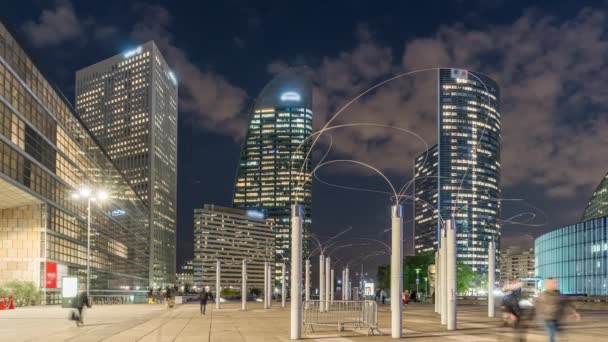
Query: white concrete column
[(396, 271), (436, 280), (307, 283), (265, 284), (218, 290), (327, 281), (347, 283), (452, 275), (343, 287), (491, 276), (444, 277), (244, 286), (332, 287), (321, 282), (270, 285), (283, 286), (296, 271)]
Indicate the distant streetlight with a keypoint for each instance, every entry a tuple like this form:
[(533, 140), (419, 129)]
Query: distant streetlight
[(89, 195)]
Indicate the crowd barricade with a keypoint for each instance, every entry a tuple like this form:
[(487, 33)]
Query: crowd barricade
[(342, 315), (7, 303)]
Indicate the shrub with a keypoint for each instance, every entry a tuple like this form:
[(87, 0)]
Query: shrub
[(26, 293)]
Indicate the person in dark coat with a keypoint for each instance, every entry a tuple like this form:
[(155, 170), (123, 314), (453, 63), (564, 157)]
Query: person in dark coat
[(205, 296), (78, 304), (514, 312)]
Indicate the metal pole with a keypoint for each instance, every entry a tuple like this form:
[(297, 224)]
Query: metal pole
[(218, 290), (333, 286), (283, 286), (244, 286), (343, 287), (491, 277), (265, 284), (327, 280), (452, 274), (436, 282), (88, 245), (396, 271), (444, 277), (321, 282), (307, 282), (296, 272)]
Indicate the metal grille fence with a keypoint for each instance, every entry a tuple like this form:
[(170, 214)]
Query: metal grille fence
[(341, 314)]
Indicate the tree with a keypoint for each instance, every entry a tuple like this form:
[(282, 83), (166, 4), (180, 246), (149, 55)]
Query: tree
[(384, 276), (466, 277), (411, 263)]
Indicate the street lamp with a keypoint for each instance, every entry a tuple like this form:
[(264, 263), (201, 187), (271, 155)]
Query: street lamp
[(417, 280), (89, 195)]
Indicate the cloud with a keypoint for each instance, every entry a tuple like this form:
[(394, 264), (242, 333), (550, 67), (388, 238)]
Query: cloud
[(54, 26), (553, 107), (215, 103)]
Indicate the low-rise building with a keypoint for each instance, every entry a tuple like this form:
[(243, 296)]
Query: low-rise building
[(230, 235), (518, 264)]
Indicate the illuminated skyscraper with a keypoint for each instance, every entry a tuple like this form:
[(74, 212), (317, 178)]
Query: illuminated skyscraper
[(598, 204), (467, 167), (129, 102), (272, 169)]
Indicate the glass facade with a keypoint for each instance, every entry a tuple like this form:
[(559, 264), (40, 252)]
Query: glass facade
[(231, 235), (598, 205), (45, 154), (425, 206), (129, 101), (468, 166), (273, 172), (577, 255)]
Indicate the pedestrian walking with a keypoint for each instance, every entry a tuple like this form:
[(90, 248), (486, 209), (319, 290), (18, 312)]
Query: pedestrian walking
[(383, 296), (78, 305), (206, 295), (168, 298), (515, 315), (554, 308)]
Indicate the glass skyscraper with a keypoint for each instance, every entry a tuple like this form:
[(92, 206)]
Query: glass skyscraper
[(272, 171), (46, 154), (129, 102), (467, 167), (598, 204)]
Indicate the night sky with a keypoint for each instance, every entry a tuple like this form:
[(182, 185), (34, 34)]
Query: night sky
[(550, 60)]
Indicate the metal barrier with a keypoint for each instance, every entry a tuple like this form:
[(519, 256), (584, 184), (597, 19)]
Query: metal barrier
[(341, 314)]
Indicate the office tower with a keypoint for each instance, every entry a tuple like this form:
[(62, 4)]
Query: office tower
[(273, 170), (231, 235), (425, 206), (517, 264), (129, 102), (598, 204), (467, 169), (46, 154)]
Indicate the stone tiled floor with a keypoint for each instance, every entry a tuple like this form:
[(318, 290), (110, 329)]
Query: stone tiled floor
[(184, 323)]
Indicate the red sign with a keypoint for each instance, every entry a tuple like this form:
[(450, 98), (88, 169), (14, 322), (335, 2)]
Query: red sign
[(51, 275)]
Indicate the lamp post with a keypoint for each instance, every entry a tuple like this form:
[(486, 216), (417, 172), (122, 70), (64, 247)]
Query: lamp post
[(90, 196), (417, 280)]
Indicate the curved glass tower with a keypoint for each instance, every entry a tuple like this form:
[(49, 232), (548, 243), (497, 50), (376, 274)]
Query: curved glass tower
[(466, 164), (598, 205), (272, 169)]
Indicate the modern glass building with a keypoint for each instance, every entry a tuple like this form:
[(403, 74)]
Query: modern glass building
[(129, 102), (577, 255), (425, 206), (598, 205), (231, 235), (467, 169), (46, 153), (273, 171)]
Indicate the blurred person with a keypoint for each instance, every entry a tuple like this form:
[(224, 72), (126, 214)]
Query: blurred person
[(206, 295), (515, 315), (554, 307), (383, 296), (168, 298), (78, 304)]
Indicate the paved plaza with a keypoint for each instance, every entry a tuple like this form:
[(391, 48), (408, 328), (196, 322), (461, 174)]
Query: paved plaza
[(185, 323)]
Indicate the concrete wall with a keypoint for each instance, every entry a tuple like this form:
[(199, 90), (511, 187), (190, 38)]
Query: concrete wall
[(20, 243)]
